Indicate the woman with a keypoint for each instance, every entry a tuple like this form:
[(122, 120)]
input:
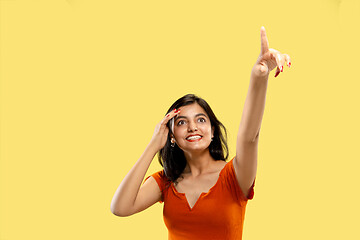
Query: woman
[(204, 196)]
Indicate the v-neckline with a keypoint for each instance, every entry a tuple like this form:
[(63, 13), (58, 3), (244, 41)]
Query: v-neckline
[(201, 194)]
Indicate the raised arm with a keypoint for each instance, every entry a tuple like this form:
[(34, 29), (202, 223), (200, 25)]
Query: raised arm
[(245, 162)]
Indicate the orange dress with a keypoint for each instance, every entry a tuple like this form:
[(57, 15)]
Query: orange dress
[(217, 214)]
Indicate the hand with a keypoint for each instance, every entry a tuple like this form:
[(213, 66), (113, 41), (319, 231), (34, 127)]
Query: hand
[(160, 136), (269, 58)]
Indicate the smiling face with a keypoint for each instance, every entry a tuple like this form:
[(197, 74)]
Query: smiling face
[(192, 128)]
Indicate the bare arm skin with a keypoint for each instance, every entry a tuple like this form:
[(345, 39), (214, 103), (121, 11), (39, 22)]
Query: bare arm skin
[(245, 162), (130, 197)]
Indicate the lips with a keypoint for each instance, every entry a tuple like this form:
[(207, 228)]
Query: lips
[(193, 138)]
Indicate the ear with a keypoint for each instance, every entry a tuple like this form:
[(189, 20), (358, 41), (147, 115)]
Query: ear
[(212, 131)]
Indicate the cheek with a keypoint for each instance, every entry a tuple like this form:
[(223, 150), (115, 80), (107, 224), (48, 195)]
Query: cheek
[(206, 129), (178, 132)]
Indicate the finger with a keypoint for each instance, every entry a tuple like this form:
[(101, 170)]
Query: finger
[(282, 61), (169, 116), (276, 55), (264, 41), (165, 120), (277, 72), (287, 59), (172, 120)]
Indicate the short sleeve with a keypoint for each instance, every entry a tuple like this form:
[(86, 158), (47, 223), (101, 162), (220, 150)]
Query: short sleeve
[(160, 180), (233, 184)]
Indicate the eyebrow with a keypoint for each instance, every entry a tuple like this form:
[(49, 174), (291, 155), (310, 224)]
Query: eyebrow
[(199, 114)]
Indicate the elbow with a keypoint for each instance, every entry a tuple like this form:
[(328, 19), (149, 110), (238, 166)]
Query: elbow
[(120, 209), (256, 138), (119, 213), (248, 136), (248, 139)]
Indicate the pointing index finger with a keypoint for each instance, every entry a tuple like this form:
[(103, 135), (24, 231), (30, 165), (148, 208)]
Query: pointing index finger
[(264, 41)]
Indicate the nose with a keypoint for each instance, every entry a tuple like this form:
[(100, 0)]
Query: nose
[(192, 127)]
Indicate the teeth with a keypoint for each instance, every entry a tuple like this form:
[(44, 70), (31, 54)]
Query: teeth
[(194, 137)]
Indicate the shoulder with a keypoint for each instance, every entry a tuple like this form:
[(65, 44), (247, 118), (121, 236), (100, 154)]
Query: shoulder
[(233, 173), (226, 165), (159, 175), (160, 178), (228, 172)]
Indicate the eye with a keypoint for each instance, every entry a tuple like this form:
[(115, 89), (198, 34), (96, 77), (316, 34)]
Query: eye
[(180, 122), (201, 120)]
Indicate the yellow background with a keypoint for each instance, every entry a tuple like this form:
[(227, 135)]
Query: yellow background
[(83, 84)]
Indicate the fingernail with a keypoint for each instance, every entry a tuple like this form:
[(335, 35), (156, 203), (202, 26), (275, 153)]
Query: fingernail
[(177, 111), (289, 64), (167, 115), (281, 68), (277, 73)]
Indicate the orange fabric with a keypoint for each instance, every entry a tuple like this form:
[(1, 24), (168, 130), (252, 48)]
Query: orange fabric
[(217, 214)]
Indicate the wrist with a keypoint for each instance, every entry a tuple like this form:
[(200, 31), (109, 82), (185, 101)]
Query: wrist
[(260, 71), (152, 149), (258, 78)]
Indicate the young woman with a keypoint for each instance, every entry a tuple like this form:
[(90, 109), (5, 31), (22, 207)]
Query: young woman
[(204, 196)]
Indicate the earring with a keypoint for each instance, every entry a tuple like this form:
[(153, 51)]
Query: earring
[(172, 142)]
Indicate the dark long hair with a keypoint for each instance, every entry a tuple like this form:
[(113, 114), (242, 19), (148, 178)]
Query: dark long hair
[(173, 159)]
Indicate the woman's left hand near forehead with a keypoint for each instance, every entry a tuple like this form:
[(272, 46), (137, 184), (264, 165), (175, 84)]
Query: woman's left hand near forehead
[(269, 58)]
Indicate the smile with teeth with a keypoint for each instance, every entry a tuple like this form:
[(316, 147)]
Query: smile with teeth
[(193, 138)]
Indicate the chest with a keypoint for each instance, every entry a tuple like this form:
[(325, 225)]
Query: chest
[(209, 205), (193, 188)]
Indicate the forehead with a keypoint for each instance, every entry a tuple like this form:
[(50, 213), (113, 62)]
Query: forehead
[(190, 111)]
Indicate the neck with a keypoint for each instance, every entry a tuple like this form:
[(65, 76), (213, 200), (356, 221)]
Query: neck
[(198, 162)]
